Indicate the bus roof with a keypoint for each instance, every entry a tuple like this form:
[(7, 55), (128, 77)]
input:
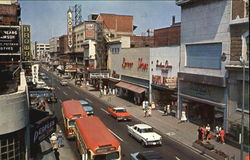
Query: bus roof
[(73, 108), (95, 133)]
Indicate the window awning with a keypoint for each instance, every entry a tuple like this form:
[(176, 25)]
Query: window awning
[(131, 87)]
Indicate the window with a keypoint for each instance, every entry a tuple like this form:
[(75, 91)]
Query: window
[(204, 55), (245, 46)]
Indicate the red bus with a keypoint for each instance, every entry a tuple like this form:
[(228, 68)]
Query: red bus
[(94, 141), (71, 110)]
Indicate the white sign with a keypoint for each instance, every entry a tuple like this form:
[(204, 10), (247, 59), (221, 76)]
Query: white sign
[(70, 28), (99, 75), (35, 70)]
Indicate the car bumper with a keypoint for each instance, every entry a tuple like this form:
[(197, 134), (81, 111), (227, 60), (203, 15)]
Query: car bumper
[(153, 143)]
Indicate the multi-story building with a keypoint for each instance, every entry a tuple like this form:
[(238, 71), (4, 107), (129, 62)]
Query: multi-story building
[(205, 36), (237, 67), (53, 48), (14, 140), (40, 51)]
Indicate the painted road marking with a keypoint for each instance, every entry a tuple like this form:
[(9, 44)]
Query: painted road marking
[(89, 100), (116, 136), (65, 93), (104, 110), (76, 92), (170, 133), (177, 158)]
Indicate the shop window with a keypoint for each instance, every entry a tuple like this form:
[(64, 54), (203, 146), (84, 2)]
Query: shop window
[(204, 55), (246, 96)]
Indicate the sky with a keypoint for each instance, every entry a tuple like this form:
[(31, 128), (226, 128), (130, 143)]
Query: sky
[(48, 18)]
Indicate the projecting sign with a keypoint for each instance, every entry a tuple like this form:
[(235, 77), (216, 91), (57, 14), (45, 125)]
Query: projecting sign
[(89, 30), (70, 28), (26, 54), (35, 69), (9, 39)]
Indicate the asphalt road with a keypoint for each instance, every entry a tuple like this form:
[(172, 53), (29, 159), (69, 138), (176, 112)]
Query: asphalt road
[(170, 150)]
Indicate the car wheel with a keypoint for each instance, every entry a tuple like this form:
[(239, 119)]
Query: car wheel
[(143, 143)]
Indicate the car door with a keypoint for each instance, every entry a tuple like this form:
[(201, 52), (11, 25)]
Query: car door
[(137, 133)]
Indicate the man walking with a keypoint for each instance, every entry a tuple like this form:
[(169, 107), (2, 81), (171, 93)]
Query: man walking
[(60, 139)]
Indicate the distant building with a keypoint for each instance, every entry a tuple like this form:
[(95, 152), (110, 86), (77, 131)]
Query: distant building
[(169, 36), (40, 51), (54, 48)]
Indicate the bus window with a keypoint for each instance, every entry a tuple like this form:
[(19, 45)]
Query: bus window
[(109, 156), (71, 123)]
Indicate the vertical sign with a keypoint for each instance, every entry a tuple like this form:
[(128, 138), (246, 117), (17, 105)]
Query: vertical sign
[(70, 28), (35, 69), (26, 55)]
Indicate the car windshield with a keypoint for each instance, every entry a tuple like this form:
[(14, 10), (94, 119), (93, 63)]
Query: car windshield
[(71, 123), (146, 130), (120, 110), (109, 156)]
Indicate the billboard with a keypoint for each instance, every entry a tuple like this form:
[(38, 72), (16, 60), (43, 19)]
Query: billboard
[(90, 28), (70, 28), (26, 52), (35, 70), (9, 39)]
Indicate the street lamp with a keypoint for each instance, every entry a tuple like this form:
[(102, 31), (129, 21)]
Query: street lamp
[(242, 110)]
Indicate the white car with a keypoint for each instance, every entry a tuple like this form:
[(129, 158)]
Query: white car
[(64, 82), (144, 134)]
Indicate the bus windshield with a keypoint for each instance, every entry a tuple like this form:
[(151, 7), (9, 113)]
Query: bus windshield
[(72, 123), (109, 156)]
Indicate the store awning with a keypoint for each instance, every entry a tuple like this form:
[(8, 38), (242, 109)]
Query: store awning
[(131, 87)]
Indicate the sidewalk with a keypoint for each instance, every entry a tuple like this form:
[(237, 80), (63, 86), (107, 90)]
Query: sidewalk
[(183, 133)]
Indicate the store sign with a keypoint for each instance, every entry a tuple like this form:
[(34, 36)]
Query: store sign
[(26, 54), (142, 65), (70, 28), (126, 64), (43, 129), (89, 30), (99, 75), (35, 69), (9, 39)]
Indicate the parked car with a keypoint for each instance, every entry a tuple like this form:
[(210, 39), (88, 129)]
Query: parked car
[(64, 82), (119, 113), (146, 155), (144, 134), (44, 77)]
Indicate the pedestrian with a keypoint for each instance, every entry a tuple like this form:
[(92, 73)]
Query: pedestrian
[(60, 139), (203, 132), (168, 109), (165, 110), (53, 141), (216, 131), (153, 105), (200, 133), (208, 132), (222, 136), (143, 105), (183, 116), (145, 112), (149, 111)]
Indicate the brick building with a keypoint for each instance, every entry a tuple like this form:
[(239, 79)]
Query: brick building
[(63, 44), (141, 41), (168, 36), (10, 14)]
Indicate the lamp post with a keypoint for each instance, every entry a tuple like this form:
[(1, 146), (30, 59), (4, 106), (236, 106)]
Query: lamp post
[(242, 110)]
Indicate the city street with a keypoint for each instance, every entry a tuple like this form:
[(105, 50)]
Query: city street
[(169, 149)]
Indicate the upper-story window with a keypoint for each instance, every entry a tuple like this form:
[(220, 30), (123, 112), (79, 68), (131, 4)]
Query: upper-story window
[(245, 46), (204, 55)]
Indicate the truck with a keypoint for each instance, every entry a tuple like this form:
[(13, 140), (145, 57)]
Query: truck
[(144, 134)]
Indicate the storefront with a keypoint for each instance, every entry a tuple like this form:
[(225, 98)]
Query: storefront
[(203, 103)]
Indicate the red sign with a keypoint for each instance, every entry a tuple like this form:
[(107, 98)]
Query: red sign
[(126, 64), (142, 65), (90, 30)]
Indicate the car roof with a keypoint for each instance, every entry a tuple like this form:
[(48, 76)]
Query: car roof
[(88, 108), (149, 155), (118, 108), (83, 102), (142, 126)]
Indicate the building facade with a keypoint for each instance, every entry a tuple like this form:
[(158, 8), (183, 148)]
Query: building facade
[(14, 128), (164, 66), (53, 48), (40, 51), (202, 88), (238, 68)]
